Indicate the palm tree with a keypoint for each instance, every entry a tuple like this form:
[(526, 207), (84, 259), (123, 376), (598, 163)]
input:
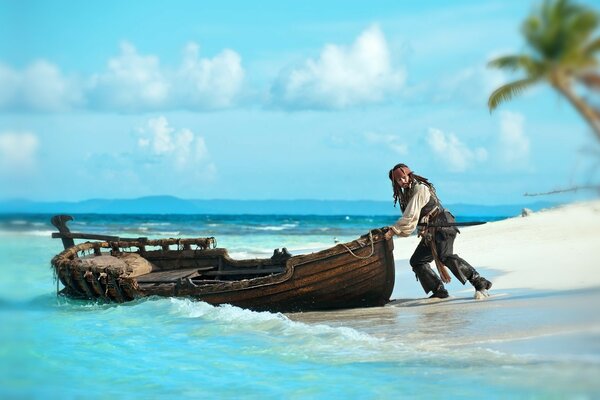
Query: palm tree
[(563, 52)]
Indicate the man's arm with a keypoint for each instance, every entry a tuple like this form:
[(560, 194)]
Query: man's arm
[(410, 218)]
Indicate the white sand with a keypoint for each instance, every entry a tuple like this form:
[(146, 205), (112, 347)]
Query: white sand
[(554, 249)]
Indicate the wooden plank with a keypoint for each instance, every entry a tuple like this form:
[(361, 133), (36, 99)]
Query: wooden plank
[(168, 276), (265, 271)]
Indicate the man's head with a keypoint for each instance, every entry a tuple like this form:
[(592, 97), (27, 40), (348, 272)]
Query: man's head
[(400, 175)]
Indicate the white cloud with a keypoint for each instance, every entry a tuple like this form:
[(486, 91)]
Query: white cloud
[(212, 82), (181, 148), (41, 86), (391, 141), (138, 82), (514, 144), (455, 154), (131, 81), (342, 76), (18, 153)]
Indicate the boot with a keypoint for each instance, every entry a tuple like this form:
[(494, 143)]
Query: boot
[(480, 284), (430, 281), (440, 294)]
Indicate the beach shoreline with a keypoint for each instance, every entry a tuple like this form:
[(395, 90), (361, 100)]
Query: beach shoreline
[(542, 304)]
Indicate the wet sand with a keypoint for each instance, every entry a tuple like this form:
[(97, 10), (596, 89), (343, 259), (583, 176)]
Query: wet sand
[(548, 324)]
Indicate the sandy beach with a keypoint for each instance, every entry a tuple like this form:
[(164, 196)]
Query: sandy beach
[(543, 302)]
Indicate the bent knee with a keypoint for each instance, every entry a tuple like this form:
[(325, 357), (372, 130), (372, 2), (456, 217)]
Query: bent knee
[(415, 262)]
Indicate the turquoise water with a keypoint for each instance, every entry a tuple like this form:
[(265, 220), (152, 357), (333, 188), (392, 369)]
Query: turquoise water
[(53, 347)]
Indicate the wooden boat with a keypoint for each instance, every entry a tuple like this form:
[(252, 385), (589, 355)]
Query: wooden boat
[(359, 273)]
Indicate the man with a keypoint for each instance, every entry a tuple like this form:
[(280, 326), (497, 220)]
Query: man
[(419, 203)]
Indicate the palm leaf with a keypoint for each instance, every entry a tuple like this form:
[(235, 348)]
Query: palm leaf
[(591, 48), (531, 66), (559, 28), (507, 62), (506, 92)]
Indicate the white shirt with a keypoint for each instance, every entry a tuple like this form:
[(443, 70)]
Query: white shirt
[(410, 218)]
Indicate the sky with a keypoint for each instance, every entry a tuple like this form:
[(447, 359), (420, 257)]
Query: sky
[(275, 100)]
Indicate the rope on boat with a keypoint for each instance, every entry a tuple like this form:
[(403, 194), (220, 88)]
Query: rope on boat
[(360, 257)]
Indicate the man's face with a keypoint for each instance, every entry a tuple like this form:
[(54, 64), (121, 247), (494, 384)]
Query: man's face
[(401, 179)]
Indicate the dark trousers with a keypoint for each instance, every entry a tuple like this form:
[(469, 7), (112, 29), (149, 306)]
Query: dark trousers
[(444, 244)]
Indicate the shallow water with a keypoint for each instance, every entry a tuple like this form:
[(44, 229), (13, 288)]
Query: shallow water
[(513, 345)]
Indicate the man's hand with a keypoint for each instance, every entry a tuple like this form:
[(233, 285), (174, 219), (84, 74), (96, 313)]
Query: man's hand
[(389, 234)]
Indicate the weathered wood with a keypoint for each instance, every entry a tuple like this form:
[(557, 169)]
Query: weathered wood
[(248, 271), (92, 280), (114, 289), (82, 283), (75, 235), (331, 278), (168, 276), (60, 222)]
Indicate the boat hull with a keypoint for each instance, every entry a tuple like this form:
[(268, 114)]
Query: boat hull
[(354, 274)]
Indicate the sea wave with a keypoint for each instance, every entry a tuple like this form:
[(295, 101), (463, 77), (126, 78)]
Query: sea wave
[(169, 233), (35, 232), (273, 227), (273, 323), (156, 224)]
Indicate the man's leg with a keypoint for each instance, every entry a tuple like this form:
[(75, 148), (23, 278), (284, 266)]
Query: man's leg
[(420, 264), (460, 268)]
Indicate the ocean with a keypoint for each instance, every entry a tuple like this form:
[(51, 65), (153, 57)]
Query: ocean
[(55, 347)]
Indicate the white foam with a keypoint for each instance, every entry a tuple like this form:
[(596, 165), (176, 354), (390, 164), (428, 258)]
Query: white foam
[(269, 228), (239, 318), (243, 255), (46, 233)]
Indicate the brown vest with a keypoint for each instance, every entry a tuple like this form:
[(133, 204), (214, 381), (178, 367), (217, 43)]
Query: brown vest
[(431, 204)]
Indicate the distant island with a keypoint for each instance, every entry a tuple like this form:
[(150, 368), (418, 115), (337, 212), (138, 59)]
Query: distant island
[(175, 205)]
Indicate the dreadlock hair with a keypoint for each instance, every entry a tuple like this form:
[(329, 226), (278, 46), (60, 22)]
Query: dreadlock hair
[(402, 196)]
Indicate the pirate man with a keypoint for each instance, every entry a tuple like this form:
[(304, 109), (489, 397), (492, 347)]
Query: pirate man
[(420, 205)]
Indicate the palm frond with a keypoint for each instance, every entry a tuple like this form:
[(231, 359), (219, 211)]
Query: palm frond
[(508, 62), (558, 29), (507, 92), (591, 48), (530, 65)]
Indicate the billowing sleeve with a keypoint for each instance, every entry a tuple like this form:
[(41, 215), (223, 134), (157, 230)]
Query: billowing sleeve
[(410, 218)]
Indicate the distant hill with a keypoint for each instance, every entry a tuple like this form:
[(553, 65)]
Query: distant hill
[(174, 205)]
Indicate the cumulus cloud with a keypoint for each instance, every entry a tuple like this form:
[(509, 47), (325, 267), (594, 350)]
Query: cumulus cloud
[(455, 154), (342, 76), (514, 144), (204, 82), (138, 82), (181, 148), (18, 153), (391, 141), (130, 82), (41, 86)]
